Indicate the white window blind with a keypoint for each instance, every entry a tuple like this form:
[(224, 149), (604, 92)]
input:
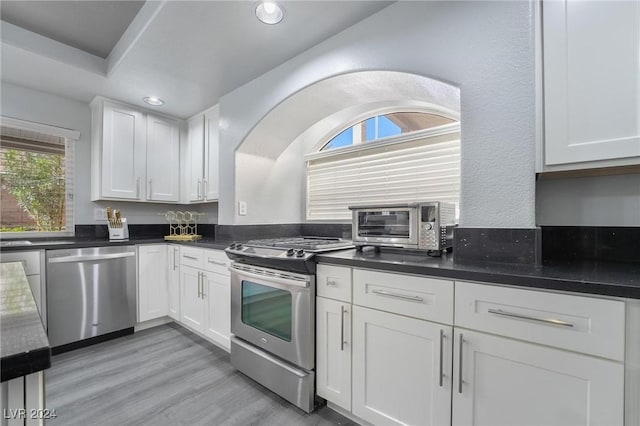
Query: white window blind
[(422, 167)]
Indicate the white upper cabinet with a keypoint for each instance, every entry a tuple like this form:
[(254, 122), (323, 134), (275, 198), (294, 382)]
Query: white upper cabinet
[(211, 181), (195, 166), (200, 177), (163, 165), (134, 155), (118, 151), (591, 82)]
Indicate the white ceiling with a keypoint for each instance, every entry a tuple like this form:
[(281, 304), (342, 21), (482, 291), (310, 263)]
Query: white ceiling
[(189, 53), (92, 26)]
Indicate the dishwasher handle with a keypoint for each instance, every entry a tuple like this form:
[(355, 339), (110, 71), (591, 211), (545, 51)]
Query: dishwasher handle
[(91, 258)]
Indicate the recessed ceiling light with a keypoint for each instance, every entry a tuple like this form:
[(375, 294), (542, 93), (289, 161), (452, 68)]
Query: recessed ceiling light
[(269, 12), (153, 100)]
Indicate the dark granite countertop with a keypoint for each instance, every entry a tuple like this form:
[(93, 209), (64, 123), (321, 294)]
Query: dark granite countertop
[(603, 278), (24, 347), (71, 243)]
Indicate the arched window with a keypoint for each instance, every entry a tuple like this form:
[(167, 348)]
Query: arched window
[(386, 125), (395, 157)]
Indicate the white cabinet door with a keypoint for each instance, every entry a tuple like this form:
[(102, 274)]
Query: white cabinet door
[(401, 369), (123, 152), (152, 282), (211, 117), (192, 305), (195, 159), (333, 351), (218, 296), (163, 154), (173, 282), (591, 80), (507, 382)]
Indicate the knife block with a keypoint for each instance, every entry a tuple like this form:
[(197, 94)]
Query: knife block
[(120, 232)]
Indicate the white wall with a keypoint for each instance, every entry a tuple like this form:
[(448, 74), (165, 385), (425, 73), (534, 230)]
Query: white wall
[(32, 105), (589, 201), (484, 48)]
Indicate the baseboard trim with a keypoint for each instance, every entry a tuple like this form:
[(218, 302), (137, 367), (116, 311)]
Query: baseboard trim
[(152, 323)]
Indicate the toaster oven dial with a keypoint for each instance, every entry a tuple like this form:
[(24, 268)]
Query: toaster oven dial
[(428, 226)]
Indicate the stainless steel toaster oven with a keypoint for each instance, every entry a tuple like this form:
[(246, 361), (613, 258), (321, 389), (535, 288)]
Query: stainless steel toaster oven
[(424, 226)]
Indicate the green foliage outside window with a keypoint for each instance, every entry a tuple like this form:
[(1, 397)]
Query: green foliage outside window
[(37, 181)]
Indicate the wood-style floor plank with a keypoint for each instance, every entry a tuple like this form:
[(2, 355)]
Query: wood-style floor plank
[(164, 376)]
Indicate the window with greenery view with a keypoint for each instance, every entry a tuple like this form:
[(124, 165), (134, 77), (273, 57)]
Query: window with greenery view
[(35, 181)]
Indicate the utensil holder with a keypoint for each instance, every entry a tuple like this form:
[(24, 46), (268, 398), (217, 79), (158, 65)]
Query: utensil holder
[(119, 231)]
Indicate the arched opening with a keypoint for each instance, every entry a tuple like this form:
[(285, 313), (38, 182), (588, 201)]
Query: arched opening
[(270, 163)]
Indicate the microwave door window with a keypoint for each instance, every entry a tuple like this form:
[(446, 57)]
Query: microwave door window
[(393, 224), (267, 309)]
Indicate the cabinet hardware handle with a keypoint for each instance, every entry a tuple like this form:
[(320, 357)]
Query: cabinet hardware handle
[(199, 188), (551, 321), (331, 283), (217, 262), (149, 195), (441, 356), (399, 296), (138, 187), (342, 312), (205, 184), (190, 257), (204, 276), (199, 285), (460, 365)]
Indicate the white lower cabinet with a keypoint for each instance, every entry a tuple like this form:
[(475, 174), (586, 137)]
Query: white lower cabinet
[(205, 293), (173, 283), (401, 369), (500, 381), (152, 282), (218, 295), (333, 351), (192, 305)]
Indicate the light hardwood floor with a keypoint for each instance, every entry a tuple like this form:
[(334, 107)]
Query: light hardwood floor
[(164, 376)]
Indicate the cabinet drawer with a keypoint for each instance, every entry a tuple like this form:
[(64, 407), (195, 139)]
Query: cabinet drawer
[(216, 261), (334, 282), (30, 260), (410, 295), (582, 324), (193, 257)]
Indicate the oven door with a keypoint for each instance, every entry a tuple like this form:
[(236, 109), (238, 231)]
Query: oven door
[(274, 310), (390, 226)]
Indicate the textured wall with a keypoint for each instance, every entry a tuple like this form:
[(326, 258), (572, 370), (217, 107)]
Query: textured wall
[(484, 48)]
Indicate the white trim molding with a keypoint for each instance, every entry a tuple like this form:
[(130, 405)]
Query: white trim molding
[(40, 128)]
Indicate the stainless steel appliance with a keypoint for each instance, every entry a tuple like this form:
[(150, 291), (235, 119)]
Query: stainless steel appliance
[(273, 313), (90, 292), (421, 226)]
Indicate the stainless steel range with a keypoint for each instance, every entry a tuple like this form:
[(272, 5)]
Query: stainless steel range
[(273, 313)]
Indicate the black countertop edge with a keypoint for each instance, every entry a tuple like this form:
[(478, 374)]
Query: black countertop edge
[(595, 278), (26, 363), (83, 242)]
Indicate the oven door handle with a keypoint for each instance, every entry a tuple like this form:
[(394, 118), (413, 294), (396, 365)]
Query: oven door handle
[(281, 281)]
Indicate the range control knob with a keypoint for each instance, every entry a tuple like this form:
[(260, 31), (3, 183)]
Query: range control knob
[(232, 246), (238, 246), (290, 252), (300, 253)]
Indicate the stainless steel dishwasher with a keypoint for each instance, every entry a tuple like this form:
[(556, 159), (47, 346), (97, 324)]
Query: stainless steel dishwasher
[(90, 292)]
